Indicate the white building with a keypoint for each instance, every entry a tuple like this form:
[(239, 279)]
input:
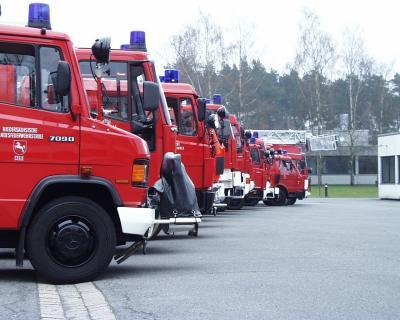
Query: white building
[(388, 166)]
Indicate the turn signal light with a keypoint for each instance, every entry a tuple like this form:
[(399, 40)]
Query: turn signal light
[(140, 172)]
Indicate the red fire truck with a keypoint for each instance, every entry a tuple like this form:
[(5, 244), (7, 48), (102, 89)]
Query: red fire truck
[(285, 175), (73, 187), (122, 99), (197, 142), (231, 187), (298, 160), (259, 172)]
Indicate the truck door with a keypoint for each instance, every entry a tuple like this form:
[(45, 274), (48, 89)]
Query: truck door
[(38, 137), (189, 145), (257, 175)]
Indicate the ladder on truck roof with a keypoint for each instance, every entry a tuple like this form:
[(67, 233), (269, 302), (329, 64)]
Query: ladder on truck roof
[(282, 136)]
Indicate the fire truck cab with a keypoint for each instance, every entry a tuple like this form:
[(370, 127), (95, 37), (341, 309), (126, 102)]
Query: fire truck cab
[(231, 187), (292, 184), (196, 141), (73, 187), (122, 97)]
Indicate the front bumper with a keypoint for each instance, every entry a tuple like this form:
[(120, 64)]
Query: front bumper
[(136, 221), (140, 221), (271, 193)]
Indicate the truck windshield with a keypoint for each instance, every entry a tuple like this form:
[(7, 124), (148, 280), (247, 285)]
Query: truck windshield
[(115, 88)]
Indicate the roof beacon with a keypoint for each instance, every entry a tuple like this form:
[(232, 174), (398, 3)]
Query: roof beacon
[(138, 41), (217, 99), (171, 75), (39, 16)]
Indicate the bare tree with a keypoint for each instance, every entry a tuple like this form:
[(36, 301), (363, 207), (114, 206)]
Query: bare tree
[(383, 70), (199, 52), (240, 52), (357, 67), (316, 57)]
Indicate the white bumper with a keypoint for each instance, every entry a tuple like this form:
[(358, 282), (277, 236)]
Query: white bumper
[(270, 192), (136, 221), (238, 179)]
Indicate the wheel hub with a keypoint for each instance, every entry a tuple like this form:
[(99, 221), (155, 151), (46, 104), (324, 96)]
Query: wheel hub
[(71, 242)]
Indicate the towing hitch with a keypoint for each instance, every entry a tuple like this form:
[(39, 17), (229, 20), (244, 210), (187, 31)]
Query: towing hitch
[(131, 250)]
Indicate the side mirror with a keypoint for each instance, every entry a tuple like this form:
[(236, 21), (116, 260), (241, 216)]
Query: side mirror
[(309, 171), (247, 134), (63, 79), (201, 109), (151, 96), (101, 50)]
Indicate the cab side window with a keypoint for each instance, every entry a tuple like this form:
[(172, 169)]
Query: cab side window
[(238, 139), (187, 123), (17, 74), (49, 58), (255, 157), (173, 110)]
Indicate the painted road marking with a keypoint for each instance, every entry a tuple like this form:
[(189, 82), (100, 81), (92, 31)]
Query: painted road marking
[(50, 303), (81, 301)]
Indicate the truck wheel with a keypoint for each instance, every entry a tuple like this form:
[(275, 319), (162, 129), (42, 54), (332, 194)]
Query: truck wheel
[(236, 204), (290, 201), (281, 199), (251, 202), (70, 240), (268, 202)]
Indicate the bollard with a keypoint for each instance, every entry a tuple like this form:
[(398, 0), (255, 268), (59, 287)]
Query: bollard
[(326, 190)]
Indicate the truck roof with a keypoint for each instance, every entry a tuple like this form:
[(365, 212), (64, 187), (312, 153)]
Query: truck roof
[(182, 88), (115, 54), (20, 31)]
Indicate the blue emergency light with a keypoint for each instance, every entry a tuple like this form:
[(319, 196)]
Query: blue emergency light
[(252, 140), (138, 41), (171, 75), (124, 46), (255, 134), (217, 99), (39, 16), (284, 151), (162, 78)]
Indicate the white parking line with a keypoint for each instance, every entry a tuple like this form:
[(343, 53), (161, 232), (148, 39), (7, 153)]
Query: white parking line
[(81, 301), (50, 303)]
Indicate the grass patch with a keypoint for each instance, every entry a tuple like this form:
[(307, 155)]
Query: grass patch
[(345, 191)]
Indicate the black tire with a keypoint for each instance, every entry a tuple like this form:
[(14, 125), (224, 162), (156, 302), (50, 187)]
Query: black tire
[(236, 204), (281, 200), (251, 202), (195, 231), (268, 202), (71, 240), (290, 201)]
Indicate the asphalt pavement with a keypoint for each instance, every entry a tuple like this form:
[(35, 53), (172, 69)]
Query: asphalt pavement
[(317, 259)]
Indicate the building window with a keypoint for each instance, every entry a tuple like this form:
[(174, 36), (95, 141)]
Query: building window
[(336, 165), (367, 165), (388, 169)]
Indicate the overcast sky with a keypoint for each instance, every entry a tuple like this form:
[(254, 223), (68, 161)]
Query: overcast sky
[(275, 22)]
